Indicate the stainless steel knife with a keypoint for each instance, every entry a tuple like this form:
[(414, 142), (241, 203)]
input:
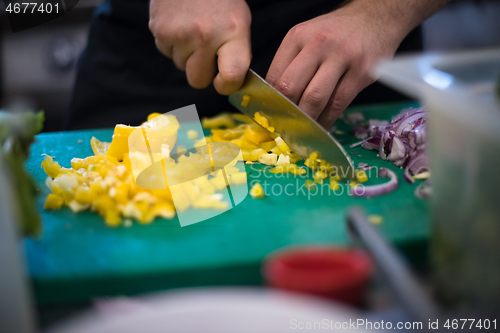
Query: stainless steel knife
[(303, 134)]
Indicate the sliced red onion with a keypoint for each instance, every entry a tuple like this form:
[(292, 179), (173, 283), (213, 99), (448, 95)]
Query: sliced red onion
[(356, 144), (416, 165), (406, 123), (402, 141), (376, 190), (360, 132), (371, 143), (398, 150), (401, 161), (420, 133), (406, 113), (385, 146), (423, 191)]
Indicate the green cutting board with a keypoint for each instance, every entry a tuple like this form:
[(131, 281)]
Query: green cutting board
[(79, 258)]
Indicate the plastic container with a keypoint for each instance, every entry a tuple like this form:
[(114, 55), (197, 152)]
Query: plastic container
[(336, 273), (460, 90)]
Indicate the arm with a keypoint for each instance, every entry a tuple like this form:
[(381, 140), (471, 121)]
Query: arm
[(322, 64), (206, 39)]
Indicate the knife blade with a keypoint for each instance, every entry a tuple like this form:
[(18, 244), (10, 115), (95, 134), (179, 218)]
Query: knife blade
[(302, 133)]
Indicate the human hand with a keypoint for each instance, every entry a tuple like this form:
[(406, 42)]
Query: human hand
[(322, 64), (206, 39)]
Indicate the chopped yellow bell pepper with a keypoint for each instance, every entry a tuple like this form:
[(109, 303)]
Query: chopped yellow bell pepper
[(112, 218), (334, 185), (310, 185), (192, 134), (245, 101), (261, 120), (222, 120), (361, 176), (282, 145), (269, 159), (98, 147), (257, 134), (50, 167), (53, 201), (267, 145), (153, 115), (242, 118), (257, 191)]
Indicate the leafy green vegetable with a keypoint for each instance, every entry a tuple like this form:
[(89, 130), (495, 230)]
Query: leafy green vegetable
[(17, 131)]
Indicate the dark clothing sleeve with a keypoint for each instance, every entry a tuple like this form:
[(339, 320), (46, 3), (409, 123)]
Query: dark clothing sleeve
[(122, 77)]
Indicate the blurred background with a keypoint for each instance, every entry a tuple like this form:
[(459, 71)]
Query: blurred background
[(38, 65)]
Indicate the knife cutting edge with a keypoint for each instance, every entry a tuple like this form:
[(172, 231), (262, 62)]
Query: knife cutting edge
[(303, 134)]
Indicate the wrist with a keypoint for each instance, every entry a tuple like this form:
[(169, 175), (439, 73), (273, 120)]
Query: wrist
[(394, 18)]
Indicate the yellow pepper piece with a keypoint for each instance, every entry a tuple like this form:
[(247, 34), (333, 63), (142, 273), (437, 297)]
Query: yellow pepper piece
[(119, 144), (311, 163), (282, 145), (334, 186), (77, 163), (269, 159), (98, 147), (159, 129), (314, 155), (276, 150), (245, 101), (361, 176), (50, 167), (261, 120), (375, 219), (53, 201), (192, 134), (309, 184), (267, 145), (257, 134), (153, 115), (112, 218), (257, 191), (252, 155), (84, 195), (318, 177), (294, 158), (222, 120), (242, 118)]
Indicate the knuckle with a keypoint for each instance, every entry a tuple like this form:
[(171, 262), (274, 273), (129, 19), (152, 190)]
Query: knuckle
[(285, 88), (151, 26), (297, 31), (321, 38), (162, 32), (337, 106), (314, 98), (203, 32), (232, 75), (183, 35)]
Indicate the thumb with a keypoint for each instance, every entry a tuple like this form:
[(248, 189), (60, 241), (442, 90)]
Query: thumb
[(233, 61)]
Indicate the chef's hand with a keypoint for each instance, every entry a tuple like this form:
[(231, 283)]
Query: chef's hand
[(322, 64), (207, 39)]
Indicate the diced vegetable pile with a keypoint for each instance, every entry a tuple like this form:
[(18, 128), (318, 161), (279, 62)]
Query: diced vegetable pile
[(104, 182)]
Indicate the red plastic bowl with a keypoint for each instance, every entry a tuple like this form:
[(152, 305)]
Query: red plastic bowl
[(337, 273)]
